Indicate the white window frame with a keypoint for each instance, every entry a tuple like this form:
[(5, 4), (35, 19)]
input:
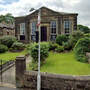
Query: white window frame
[(67, 25), (32, 28), (22, 28), (53, 27)]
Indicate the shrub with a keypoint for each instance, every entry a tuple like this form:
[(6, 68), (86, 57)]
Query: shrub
[(61, 38), (80, 49), (52, 46), (44, 51), (59, 49), (17, 46), (87, 35), (3, 48), (75, 37), (7, 40), (67, 45)]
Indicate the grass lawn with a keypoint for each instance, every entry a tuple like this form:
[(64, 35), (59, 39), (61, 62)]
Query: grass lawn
[(65, 63), (11, 55)]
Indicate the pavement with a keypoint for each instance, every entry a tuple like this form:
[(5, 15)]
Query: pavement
[(9, 78)]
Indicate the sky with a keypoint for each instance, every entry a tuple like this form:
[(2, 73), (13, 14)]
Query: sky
[(22, 7)]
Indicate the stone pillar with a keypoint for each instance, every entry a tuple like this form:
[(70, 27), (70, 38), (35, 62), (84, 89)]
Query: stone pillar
[(20, 69)]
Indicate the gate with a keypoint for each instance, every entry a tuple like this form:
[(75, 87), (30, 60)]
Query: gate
[(7, 73)]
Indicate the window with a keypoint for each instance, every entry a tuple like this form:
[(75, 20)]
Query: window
[(34, 28), (22, 29), (53, 27), (67, 26), (53, 30)]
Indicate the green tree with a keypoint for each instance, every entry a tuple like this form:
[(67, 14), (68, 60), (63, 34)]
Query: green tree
[(8, 18), (84, 29)]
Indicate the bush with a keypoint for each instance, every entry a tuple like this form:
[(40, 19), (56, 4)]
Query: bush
[(17, 46), (61, 38), (52, 46), (7, 40), (75, 37), (3, 48), (67, 45), (80, 49), (59, 49), (87, 35), (44, 51)]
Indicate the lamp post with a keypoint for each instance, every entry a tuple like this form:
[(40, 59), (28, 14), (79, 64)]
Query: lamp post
[(39, 39), (39, 31)]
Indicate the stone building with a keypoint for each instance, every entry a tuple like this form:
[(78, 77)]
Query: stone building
[(53, 23), (7, 29)]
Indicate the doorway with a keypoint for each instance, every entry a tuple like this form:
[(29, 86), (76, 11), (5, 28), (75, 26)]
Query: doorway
[(43, 33)]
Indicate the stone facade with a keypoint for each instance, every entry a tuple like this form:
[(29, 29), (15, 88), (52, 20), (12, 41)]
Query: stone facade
[(47, 16), (7, 29), (28, 79)]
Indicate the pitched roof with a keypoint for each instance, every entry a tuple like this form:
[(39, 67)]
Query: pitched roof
[(61, 13)]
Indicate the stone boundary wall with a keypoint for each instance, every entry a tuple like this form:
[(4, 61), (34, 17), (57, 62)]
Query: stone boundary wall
[(6, 65), (56, 82), (28, 79)]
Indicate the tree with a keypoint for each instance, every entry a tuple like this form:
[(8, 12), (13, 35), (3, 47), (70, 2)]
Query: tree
[(84, 29), (8, 18)]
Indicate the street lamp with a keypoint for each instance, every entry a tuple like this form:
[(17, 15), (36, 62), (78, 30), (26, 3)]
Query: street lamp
[(39, 39), (39, 31)]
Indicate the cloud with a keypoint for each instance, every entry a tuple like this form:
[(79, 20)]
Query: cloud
[(22, 7)]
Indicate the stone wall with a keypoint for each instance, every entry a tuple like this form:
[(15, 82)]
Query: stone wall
[(28, 79)]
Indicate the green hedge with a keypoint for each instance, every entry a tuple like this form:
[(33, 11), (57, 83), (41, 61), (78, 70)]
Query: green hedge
[(44, 51), (80, 49), (75, 37), (61, 38), (7, 40), (3, 48), (59, 49), (52, 46), (17, 46)]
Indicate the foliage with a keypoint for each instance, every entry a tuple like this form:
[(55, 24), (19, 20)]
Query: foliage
[(18, 46), (3, 48), (87, 35), (7, 40), (84, 29), (67, 45), (44, 51), (75, 37), (59, 49), (80, 49), (52, 46), (61, 38), (8, 18)]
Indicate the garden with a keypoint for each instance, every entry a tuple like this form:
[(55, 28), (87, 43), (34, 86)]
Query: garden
[(10, 48), (66, 55)]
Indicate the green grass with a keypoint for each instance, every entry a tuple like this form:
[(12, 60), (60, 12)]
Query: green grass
[(65, 63), (10, 55)]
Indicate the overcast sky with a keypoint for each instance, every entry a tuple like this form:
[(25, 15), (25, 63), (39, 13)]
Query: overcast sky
[(22, 7)]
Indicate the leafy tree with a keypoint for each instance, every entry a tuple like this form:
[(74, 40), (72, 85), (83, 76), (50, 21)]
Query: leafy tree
[(84, 29), (8, 18)]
